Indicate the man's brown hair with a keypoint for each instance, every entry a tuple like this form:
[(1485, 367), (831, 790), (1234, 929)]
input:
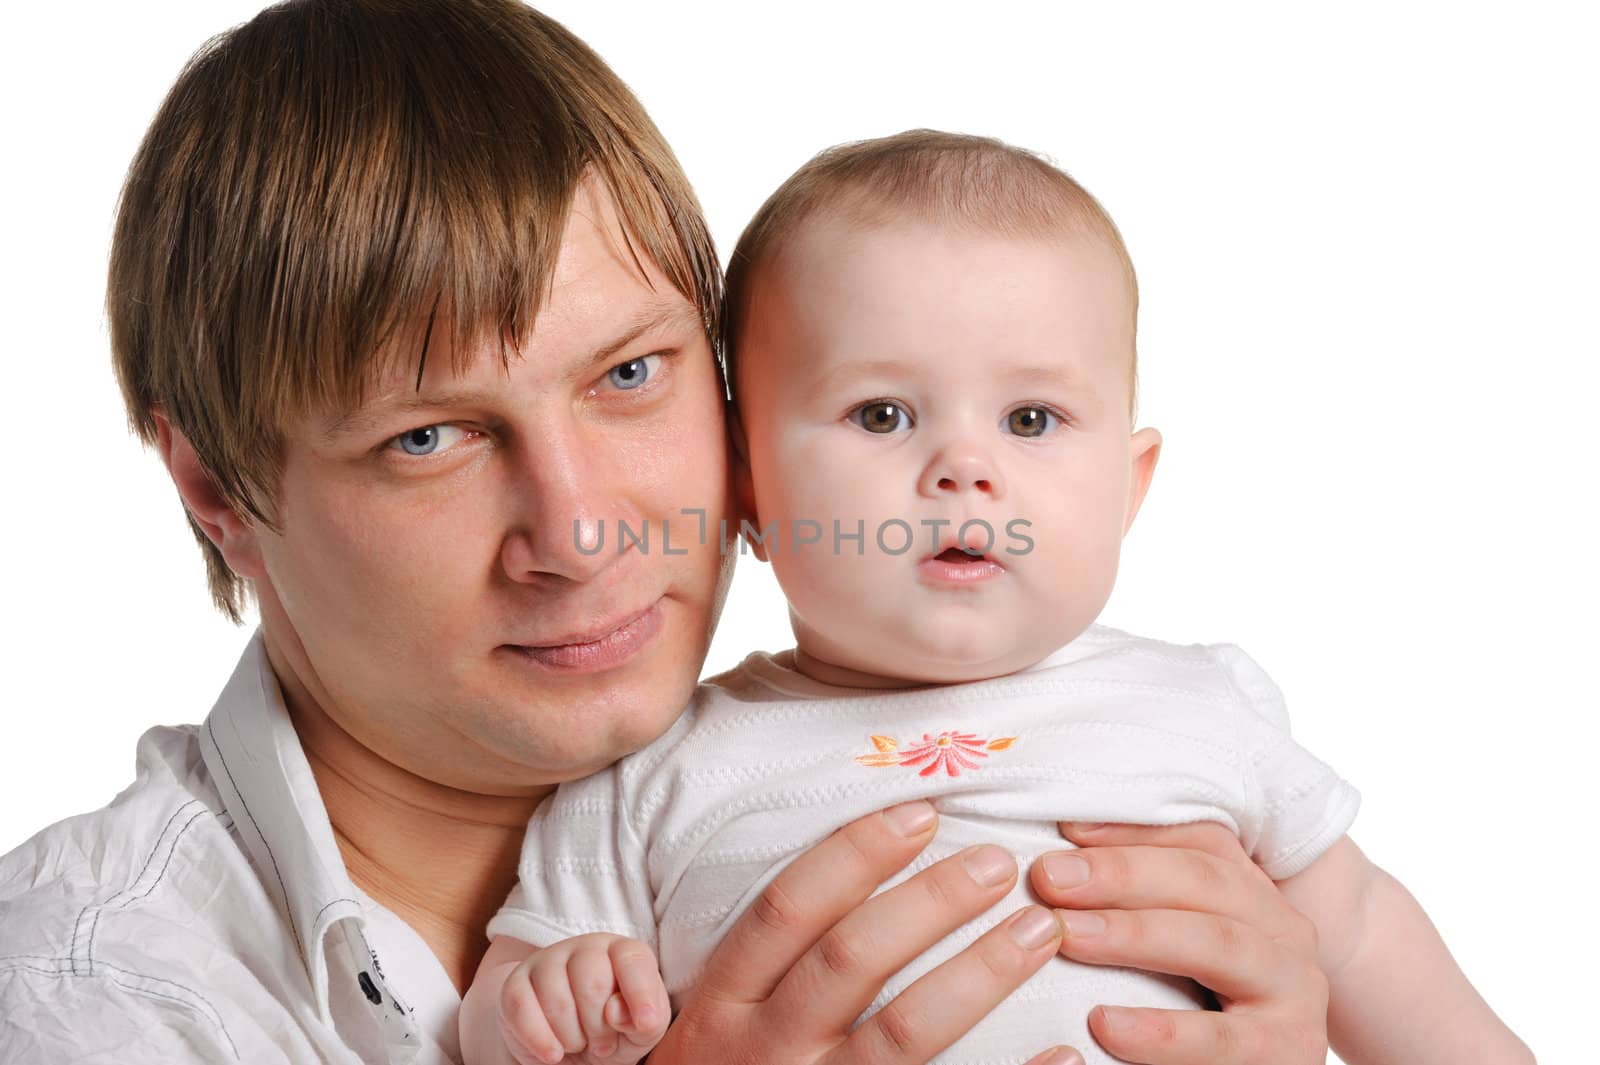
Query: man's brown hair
[(335, 174), (949, 178)]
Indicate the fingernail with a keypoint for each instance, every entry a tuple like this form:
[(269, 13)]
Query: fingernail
[(1086, 826), (1065, 870), (989, 865), (1116, 1020), (1034, 927), (1062, 1056), (910, 818), (1081, 924)]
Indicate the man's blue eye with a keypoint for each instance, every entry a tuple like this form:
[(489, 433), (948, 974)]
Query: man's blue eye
[(881, 416), (428, 439), (421, 441), (633, 373)]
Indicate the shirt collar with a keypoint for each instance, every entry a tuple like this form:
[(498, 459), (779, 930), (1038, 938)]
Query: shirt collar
[(255, 757)]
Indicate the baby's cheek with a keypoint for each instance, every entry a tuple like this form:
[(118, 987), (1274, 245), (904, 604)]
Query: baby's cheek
[(830, 586)]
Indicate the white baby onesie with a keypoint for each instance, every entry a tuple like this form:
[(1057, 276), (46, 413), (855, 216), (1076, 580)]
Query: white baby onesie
[(672, 843)]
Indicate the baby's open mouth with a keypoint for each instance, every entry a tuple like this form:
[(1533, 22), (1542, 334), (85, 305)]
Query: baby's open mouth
[(956, 567)]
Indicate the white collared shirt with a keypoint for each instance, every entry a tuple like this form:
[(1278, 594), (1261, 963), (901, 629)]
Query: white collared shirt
[(205, 916)]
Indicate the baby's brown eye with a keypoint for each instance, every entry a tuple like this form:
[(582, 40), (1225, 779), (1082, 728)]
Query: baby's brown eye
[(1029, 421), (882, 417)]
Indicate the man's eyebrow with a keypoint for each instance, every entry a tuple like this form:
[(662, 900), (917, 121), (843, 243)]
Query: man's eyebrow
[(363, 419), (658, 314)]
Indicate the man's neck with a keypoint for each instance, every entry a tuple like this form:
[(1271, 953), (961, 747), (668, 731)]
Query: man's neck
[(439, 858)]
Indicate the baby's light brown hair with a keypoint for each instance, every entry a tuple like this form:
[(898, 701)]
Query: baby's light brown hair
[(956, 179)]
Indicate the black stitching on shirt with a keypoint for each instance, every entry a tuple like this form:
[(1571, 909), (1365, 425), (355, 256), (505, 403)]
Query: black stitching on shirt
[(72, 954), (37, 957), (315, 920), (174, 998), (188, 1006), (94, 927), (288, 907), (170, 852), (77, 926)]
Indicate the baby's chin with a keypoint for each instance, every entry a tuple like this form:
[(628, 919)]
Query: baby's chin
[(953, 670), (910, 658)]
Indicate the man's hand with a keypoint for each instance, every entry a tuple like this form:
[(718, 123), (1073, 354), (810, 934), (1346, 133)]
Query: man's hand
[(1187, 900), (808, 957)]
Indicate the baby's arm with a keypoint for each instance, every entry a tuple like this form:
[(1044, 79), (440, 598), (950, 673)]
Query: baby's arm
[(597, 999), (1395, 993)]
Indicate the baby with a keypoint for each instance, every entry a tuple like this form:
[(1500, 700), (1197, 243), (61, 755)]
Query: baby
[(931, 350)]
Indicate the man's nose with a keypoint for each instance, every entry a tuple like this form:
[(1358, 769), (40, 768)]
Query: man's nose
[(568, 520), (960, 466)]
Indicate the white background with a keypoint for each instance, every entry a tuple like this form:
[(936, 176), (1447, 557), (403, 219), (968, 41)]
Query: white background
[(1367, 238)]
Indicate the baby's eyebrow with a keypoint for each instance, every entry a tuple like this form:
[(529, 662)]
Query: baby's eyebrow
[(1043, 375), (851, 371), (1018, 376)]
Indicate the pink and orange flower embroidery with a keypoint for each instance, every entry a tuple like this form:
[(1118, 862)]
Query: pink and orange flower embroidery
[(949, 750)]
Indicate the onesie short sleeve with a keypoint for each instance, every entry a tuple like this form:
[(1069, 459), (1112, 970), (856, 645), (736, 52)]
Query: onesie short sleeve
[(1305, 805), (582, 869)]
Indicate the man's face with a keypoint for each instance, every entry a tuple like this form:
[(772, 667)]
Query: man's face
[(915, 374), (428, 589)]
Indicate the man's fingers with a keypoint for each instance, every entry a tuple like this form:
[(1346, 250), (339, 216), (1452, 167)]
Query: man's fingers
[(1157, 877), (943, 1004), (1198, 1037), (1237, 961), (809, 896), (840, 976), (1208, 836)]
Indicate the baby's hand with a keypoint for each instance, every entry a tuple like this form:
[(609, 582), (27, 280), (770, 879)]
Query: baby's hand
[(596, 999)]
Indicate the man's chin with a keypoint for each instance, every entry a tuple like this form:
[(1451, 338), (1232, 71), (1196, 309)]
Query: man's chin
[(580, 729)]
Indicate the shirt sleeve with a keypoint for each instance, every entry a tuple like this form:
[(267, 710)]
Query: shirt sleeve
[(583, 869), (1305, 806)]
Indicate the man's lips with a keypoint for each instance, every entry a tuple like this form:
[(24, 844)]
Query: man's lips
[(603, 647)]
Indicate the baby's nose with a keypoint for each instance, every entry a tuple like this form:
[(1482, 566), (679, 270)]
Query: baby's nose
[(958, 469)]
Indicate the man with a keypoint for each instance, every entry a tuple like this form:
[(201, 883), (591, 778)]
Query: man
[(411, 297)]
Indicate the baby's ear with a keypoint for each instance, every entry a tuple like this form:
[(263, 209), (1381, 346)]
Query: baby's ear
[(744, 488), (1144, 449)]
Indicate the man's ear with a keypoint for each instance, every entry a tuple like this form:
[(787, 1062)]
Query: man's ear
[(1144, 450), (744, 488), (234, 536)]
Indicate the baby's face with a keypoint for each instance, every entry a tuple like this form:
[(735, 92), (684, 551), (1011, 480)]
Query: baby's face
[(910, 378)]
